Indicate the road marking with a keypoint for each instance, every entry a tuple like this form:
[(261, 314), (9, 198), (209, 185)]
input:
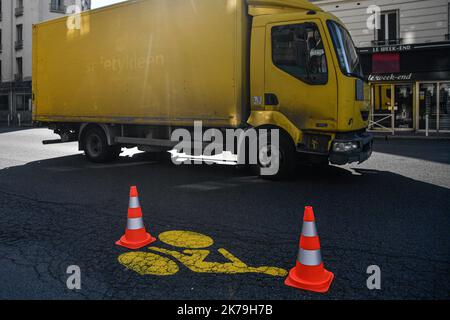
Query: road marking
[(193, 257), (146, 263), (186, 239)]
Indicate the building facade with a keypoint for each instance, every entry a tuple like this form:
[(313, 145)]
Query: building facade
[(16, 22), (405, 54)]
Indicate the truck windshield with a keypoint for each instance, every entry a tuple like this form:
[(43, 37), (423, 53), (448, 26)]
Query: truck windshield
[(345, 50)]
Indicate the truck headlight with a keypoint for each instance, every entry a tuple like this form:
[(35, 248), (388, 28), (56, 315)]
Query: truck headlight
[(345, 146)]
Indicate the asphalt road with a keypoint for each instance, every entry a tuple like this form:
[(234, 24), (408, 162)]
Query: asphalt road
[(57, 210)]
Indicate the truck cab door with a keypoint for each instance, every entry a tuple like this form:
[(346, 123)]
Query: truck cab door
[(300, 81)]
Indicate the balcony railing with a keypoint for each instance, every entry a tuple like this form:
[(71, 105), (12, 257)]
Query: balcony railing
[(18, 44), (391, 42), (19, 11), (57, 8)]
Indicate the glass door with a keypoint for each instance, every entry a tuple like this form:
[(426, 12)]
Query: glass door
[(403, 106), (444, 107), (382, 111), (428, 105)]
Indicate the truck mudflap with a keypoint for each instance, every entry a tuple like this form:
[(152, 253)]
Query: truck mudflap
[(350, 148)]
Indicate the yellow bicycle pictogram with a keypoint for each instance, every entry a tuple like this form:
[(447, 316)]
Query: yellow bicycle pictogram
[(193, 256)]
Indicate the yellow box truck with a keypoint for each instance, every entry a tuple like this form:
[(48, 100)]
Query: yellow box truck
[(130, 74)]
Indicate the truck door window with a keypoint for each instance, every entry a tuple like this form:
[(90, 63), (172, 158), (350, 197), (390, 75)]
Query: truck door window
[(298, 50)]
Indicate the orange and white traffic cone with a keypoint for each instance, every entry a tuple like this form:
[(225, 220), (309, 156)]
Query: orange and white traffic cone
[(135, 236), (309, 272)]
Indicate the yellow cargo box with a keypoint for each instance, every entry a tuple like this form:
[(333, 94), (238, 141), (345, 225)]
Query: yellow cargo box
[(145, 62)]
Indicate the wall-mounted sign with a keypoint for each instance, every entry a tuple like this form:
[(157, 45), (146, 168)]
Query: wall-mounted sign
[(383, 63), (399, 48), (390, 77), (405, 47)]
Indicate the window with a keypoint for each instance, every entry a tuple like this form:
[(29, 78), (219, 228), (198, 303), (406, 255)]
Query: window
[(448, 15), (57, 6), (388, 33), (22, 102), (57, 3), (298, 50), (19, 8), (19, 37), (348, 57), (19, 63), (4, 102), (19, 29)]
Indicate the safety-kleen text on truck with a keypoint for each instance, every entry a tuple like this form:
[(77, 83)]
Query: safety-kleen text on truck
[(131, 74)]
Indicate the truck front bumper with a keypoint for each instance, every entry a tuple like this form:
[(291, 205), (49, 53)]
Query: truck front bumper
[(351, 147)]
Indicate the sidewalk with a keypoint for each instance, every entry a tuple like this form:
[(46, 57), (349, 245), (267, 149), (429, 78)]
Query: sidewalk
[(410, 136)]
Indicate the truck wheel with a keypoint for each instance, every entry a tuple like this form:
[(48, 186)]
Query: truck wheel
[(285, 156), (97, 149)]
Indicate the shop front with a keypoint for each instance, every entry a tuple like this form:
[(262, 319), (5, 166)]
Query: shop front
[(410, 87)]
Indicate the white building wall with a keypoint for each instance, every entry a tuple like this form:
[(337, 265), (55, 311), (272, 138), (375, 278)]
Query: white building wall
[(34, 11), (421, 21)]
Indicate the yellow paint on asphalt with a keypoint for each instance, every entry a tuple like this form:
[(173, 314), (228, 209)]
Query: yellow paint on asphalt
[(186, 239), (146, 263), (195, 261)]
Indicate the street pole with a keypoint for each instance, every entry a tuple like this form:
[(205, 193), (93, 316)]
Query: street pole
[(427, 123)]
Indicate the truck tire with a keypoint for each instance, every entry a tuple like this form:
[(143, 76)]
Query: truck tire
[(287, 159), (96, 147)]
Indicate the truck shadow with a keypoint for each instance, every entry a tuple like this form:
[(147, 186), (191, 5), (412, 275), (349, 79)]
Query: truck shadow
[(146, 170), (147, 167)]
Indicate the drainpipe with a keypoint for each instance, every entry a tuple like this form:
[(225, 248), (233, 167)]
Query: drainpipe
[(11, 100)]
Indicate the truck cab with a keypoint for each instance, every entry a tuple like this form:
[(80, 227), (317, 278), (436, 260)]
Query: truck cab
[(306, 78)]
